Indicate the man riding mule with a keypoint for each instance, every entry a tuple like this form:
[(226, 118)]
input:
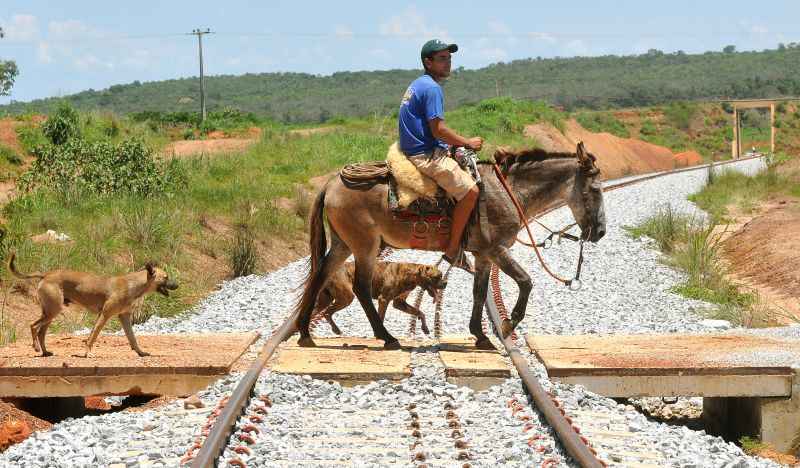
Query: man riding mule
[(362, 223), (424, 138)]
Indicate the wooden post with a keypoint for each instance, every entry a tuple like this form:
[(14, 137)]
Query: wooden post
[(738, 135), (772, 128), (735, 142)]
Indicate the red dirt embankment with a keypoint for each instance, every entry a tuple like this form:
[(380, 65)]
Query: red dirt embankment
[(617, 157)]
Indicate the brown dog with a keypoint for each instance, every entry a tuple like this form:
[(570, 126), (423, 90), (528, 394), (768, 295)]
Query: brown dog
[(391, 282), (105, 296)]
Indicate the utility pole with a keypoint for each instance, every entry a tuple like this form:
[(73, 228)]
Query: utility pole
[(199, 33)]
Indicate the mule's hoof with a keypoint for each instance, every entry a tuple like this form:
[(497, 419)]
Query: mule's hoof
[(392, 345), (426, 331), (506, 328), (46, 354), (485, 343), (306, 342), (143, 354), (336, 331)]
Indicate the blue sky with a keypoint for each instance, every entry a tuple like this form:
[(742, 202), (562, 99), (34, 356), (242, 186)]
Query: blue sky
[(68, 46)]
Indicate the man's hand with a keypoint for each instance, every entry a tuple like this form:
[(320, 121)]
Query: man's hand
[(475, 143)]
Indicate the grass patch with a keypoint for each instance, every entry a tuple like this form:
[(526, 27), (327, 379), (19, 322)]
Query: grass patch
[(666, 227), (243, 255), (732, 188), (117, 231), (602, 122), (751, 445), (8, 334), (693, 246)]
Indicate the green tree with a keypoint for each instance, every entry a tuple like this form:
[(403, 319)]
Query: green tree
[(729, 49), (8, 71)]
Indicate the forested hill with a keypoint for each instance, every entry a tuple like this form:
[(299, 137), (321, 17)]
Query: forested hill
[(592, 82)]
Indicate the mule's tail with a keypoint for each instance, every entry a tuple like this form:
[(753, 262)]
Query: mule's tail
[(33, 275), (318, 246)]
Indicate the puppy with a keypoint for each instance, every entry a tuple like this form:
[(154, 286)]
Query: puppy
[(105, 296), (392, 282)]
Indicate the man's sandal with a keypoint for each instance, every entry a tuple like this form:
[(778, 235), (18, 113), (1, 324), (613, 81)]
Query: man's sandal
[(462, 262)]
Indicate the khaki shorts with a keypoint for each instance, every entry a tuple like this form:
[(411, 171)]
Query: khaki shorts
[(445, 171)]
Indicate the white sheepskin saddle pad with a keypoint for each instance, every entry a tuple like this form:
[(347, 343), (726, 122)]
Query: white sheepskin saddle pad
[(411, 184)]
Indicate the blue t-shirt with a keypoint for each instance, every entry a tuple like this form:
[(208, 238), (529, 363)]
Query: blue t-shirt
[(423, 101)]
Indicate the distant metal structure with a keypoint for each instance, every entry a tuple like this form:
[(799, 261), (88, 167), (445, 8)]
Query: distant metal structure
[(736, 146), (199, 33)]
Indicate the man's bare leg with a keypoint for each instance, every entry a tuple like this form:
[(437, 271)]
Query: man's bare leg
[(461, 215)]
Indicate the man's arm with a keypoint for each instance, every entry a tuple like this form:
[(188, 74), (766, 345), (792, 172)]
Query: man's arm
[(447, 135)]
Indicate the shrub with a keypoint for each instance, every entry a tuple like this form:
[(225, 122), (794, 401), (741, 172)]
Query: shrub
[(101, 168), (680, 114), (62, 125)]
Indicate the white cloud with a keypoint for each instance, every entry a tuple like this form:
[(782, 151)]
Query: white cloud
[(577, 47), (500, 28), (343, 32), (21, 28), (70, 29), (753, 28), (493, 54), (90, 61), (140, 58), (381, 54), (542, 36), (411, 23), (43, 52)]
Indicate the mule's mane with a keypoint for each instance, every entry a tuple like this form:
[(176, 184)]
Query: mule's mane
[(531, 156)]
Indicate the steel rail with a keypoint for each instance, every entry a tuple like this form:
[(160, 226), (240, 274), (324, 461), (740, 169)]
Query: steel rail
[(570, 439), (215, 443), (217, 439)]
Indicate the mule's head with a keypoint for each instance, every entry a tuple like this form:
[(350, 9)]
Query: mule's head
[(159, 279), (586, 198)]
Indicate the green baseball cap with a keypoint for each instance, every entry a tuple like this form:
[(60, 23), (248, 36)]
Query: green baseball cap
[(435, 45)]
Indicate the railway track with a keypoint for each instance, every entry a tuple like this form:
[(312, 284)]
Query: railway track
[(435, 432)]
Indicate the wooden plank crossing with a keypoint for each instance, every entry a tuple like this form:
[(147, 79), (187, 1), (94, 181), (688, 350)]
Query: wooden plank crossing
[(178, 365), (719, 365), (461, 359), (354, 360)]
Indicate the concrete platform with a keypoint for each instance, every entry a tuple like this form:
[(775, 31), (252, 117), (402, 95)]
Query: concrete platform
[(351, 361), (750, 383), (179, 365), (475, 368)]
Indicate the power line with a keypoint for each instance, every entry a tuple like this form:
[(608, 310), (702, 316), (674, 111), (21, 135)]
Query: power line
[(534, 35)]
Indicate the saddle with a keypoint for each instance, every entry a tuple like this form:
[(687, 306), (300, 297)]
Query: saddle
[(413, 198)]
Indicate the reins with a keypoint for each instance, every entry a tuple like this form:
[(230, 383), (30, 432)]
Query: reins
[(562, 233)]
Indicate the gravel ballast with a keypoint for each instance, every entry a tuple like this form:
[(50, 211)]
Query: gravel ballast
[(625, 290)]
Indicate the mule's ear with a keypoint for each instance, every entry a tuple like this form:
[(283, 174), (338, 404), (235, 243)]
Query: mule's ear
[(151, 268), (583, 156), (501, 154)]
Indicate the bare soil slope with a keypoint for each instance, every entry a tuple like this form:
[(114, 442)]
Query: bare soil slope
[(765, 253), (617, 157)]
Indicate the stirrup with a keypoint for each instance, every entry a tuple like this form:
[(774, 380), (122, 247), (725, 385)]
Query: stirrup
[(461, 262)]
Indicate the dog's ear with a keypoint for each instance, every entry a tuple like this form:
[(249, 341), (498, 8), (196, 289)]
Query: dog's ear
[(151, 268)]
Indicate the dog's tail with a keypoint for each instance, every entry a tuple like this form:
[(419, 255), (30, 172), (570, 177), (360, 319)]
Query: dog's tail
[(33, 275), (318, 245)]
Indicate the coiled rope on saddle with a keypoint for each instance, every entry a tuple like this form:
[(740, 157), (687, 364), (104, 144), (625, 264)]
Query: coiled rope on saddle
[(364, 176)]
